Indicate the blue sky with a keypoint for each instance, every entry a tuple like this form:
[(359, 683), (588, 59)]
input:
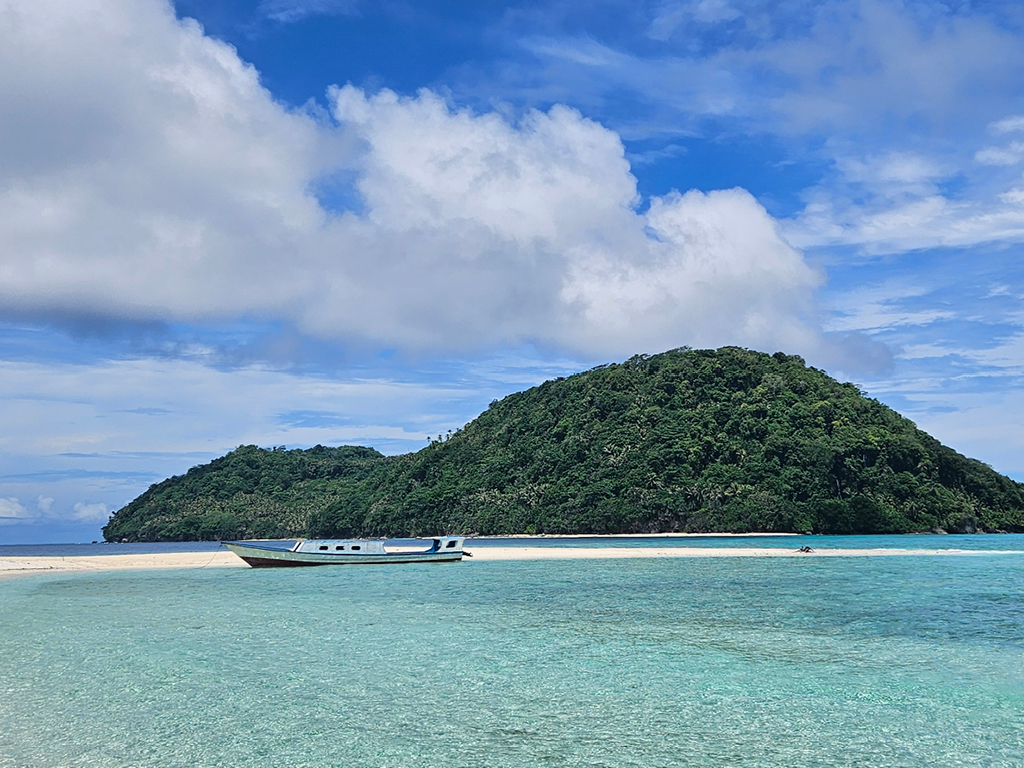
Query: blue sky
[(291, 223)]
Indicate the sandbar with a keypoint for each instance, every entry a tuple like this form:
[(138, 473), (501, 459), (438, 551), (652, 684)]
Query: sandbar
[(12, 566), (611, 553)]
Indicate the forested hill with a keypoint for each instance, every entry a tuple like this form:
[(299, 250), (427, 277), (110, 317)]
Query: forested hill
[(688, 440)]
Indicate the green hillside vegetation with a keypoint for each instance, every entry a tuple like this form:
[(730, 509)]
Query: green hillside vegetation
[(724, 440)]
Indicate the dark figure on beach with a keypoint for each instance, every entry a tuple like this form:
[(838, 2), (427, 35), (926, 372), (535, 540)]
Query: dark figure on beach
[(805, 549)]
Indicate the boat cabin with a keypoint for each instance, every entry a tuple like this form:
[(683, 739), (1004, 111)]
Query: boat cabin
[(371, 546), (341, 546), (446, 543)]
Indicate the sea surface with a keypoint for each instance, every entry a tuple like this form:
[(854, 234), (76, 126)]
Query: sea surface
[(767, 662)]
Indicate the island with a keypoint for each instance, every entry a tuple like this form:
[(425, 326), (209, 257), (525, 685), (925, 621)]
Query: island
[(726, 440)]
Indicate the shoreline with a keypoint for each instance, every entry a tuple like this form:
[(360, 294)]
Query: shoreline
[(667, 535), (27, 565)]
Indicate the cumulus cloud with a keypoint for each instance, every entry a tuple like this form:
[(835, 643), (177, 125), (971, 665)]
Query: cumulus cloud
[(148, 175), (91, 513), (534, 227), (144, 172), (10, 509)]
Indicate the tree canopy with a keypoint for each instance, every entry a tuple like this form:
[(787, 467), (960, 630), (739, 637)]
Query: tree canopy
[(724, 440)]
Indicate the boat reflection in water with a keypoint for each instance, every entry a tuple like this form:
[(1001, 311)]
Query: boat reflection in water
[(262, 554)]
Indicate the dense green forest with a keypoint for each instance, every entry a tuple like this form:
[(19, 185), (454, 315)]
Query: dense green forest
[(688, 440)]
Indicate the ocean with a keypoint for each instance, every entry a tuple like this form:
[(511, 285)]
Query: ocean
[(747, 662)]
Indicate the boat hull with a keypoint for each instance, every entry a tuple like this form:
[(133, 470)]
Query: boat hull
[(269, 557)]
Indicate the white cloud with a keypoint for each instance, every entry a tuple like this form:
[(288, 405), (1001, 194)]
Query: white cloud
[(671, 16), (177, 406), (719, 262), (10, 508), (148, 175), (533, 228), (895, 94), (1013, 196), (289, 11), (101, 433), (854, 69), (91, 513), (892, 168), (1011, 154), (1006, 356), (912, 224), (652, 156), (1008, 124), (143, 169), (866, 66), (881, 307), (890, 77), (583, 50)]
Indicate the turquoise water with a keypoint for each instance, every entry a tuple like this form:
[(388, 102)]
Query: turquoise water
[(896, 661)]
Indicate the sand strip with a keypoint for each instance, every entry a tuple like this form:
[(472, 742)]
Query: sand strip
[(603, 553), (671, 535), (23, 565), (11, 566)]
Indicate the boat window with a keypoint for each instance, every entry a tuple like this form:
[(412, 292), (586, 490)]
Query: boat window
[(451, 544), (340, 546), (324, 547), (356, 546)]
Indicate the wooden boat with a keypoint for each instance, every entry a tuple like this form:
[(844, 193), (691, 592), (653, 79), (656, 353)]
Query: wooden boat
[(261, 554)]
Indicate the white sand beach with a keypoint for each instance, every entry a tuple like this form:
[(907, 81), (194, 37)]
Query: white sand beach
[(11, 566), (611, 553)]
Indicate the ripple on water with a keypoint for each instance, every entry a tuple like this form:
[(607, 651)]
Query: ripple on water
[(766, 662)]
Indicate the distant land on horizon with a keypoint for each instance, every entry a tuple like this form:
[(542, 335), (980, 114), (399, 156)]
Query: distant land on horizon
[(726, 440)]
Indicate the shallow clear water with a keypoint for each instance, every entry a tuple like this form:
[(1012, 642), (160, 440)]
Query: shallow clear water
[(896, 661)]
